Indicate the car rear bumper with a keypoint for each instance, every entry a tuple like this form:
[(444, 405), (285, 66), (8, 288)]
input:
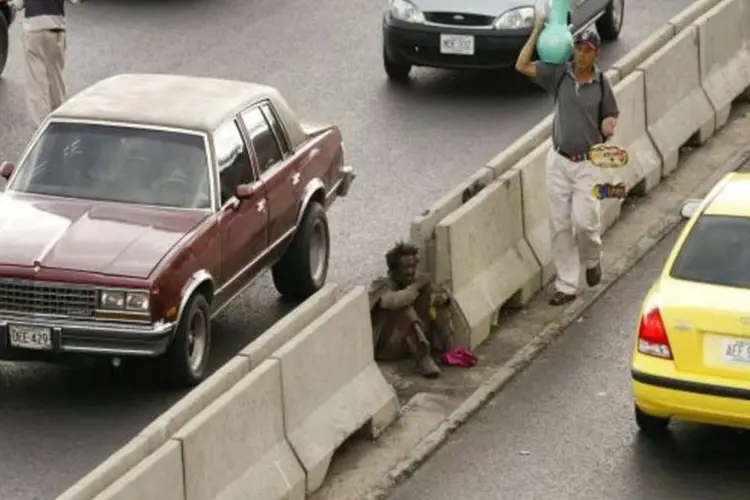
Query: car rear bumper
[(679, 397), (86, 338), (419, 45)]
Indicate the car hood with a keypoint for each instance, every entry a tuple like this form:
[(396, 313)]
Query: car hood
[(481, 7), (88, 236)]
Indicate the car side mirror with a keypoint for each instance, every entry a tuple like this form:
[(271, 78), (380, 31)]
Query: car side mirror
[(6, 169), (244, 191), (689, 206)]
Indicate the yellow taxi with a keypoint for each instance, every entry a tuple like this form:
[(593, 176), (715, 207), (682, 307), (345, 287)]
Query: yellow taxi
[(691, 355)]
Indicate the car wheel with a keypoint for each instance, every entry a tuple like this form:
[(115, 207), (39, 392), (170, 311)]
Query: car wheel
[(395, 71), (650, 425), (4, 42), (303, 269), (610, 24), (187, 357)]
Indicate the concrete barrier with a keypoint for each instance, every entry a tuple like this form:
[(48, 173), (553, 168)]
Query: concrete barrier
[(422, 230), (677, 108), (724, 58), (687, 16), (158, 477), (168, 423), (643, 172), (483, 256), (236, 447), (331, 385), (627, 64)]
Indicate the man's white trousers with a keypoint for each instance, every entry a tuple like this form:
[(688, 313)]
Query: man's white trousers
[(574, 217)]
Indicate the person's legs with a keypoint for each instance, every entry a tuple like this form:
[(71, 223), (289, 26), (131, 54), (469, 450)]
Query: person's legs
[(564, 252), (587, 222), (55, 45), (37, 85)]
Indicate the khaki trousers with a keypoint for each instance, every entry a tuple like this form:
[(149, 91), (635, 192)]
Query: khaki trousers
[(45, 63), (574, 217)]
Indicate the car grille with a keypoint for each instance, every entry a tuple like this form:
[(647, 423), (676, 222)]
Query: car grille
[(458, 19), (49, 299)]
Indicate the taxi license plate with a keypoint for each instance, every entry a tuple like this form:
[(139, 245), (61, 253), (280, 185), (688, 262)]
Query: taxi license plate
[(36, 338), (462, 45), (736, 351)]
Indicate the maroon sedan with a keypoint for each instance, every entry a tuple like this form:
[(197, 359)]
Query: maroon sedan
[(145, 204)]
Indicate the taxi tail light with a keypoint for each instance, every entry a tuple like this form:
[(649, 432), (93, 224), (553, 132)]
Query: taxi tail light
[(652, 336)]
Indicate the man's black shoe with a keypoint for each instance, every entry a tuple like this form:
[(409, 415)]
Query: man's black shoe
[(594, 275), (560, 298)]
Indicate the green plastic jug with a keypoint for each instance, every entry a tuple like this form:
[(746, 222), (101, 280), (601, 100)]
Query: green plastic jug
[(555, 44)]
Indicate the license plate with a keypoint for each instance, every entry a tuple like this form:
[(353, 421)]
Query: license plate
[(457, 44), (736, 351), (38, 338)]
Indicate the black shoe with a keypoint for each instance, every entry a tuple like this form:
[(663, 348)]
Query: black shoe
[(560, 298), (594, 275)]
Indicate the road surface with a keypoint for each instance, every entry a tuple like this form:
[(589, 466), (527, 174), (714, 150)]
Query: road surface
[(564, 429), (409, 145)]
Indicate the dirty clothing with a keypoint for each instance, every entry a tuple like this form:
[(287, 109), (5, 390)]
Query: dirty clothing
[(394, 312), (574, 212)]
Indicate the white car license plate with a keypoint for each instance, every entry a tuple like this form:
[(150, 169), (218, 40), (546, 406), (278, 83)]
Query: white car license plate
[(457, 44), (38, 338), (736, 351)]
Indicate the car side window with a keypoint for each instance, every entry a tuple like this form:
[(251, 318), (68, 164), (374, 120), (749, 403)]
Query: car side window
[(276, 127), (261, 136), (232, 159)]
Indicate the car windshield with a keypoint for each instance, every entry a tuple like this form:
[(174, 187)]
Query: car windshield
[(717, 252), (117, 164)]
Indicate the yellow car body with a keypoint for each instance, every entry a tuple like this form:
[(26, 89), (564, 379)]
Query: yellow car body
[(691, 355)]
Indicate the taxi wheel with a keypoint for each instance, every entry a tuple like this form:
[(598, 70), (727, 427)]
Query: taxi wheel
[(650, 425)]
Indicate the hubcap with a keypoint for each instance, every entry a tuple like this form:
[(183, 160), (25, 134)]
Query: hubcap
[(318, 252), (196, 340), (617, 8)]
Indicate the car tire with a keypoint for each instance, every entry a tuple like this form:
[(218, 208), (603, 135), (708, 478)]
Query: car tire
[(610, 24), (650, 425), (4, 42), (187, 356), (396, 71), (303, 269)]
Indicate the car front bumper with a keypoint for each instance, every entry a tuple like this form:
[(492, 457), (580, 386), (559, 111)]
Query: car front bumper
[(419, 45), (88, 338), (660, 390)]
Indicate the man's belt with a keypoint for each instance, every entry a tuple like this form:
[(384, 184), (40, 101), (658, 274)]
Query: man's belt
[(574, 157)]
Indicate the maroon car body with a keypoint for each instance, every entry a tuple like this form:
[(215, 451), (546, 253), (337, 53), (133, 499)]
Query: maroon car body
[(145, 204)]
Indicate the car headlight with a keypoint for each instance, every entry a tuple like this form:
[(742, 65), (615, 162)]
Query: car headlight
[(404, 10), (115, 300), (516, 19)]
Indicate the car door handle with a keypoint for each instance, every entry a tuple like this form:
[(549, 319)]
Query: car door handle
[(295, 178), (261, 205)]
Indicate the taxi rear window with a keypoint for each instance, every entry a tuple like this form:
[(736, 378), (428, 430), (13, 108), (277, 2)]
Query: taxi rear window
[(716, 252)]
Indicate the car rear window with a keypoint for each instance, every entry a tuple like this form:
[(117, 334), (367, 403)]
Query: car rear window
[(117, 163), (716, 251)]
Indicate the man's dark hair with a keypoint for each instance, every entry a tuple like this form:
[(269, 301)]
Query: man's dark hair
[(401, 249)]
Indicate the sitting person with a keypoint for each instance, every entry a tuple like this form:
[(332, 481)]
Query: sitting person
[(410, 316)]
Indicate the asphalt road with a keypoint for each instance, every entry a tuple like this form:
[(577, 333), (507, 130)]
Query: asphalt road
[(564, 429), (409, 146)]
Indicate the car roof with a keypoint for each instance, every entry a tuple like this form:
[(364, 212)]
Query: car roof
[(733, 197), (176, 101)]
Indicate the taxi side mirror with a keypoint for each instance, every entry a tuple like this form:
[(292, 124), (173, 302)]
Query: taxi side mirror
[(689, 207)]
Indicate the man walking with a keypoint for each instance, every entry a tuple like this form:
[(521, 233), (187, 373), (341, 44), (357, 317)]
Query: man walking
[(585, 114), (44, 42)]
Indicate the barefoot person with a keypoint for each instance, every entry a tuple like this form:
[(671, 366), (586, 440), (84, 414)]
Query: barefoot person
[(585, 114), (411, 317)]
